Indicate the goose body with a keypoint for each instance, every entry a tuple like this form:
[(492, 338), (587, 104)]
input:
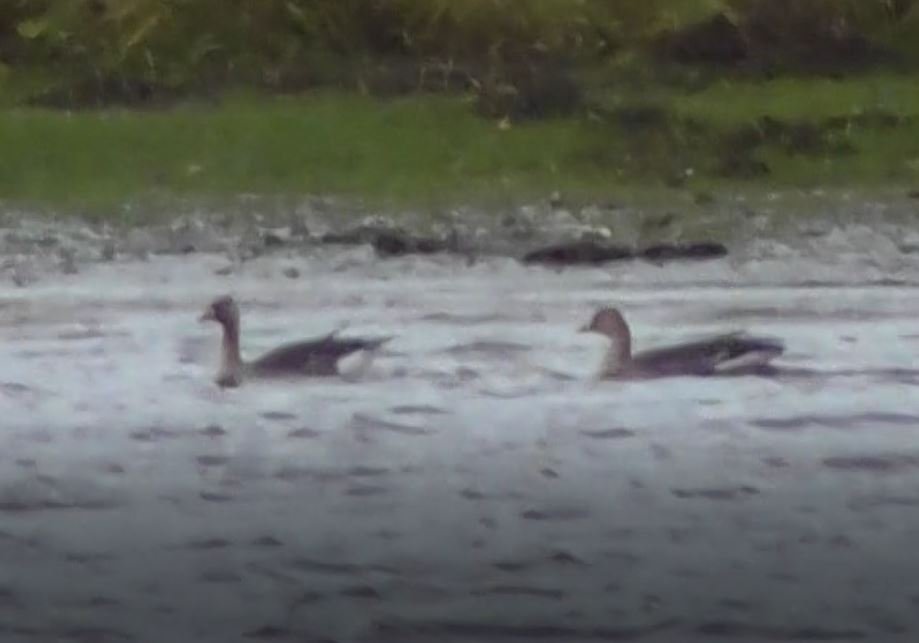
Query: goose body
[(730, 354), (318, 357)]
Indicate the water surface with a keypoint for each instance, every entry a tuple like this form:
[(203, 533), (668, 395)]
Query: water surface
[(476, 484)]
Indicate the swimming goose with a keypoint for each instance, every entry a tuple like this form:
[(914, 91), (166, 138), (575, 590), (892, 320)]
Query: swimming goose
[(732, 354), (316, 357)]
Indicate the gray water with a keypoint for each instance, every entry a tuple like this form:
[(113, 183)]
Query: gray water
[(476, 483)]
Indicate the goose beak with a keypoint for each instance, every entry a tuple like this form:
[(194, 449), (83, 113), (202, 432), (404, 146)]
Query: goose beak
[(585, 329), (208, 315)]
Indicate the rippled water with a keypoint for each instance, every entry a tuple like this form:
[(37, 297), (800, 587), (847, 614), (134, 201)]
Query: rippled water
[(476, 484)]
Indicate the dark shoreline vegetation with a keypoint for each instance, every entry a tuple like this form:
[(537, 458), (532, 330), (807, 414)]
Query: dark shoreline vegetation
[(428, 103)]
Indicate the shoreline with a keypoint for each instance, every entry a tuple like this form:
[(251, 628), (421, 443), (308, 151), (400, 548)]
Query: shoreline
[(551, 233)]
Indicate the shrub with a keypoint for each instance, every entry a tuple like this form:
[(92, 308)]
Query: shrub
[(819, 32)]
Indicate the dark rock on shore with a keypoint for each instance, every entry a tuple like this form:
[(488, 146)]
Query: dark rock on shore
[(391, 242), (396, 244), (578, 253), (591, 252), (272, 240), (683, 251)]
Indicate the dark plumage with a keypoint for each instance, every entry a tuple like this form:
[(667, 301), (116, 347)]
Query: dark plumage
[(316, 356)]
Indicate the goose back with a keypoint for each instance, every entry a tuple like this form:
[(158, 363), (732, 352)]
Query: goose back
[(313, 357), (731, 354)]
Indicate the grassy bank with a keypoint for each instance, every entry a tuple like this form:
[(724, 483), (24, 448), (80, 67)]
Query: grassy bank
[(422, 150)]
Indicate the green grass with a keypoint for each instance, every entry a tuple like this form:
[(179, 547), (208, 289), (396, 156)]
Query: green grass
[(790, 98), (408, 149), (426, 150), (878, 154)]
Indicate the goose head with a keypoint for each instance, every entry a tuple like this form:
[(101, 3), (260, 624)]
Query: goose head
[(225, 312), (610, 323), (222, 310)]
